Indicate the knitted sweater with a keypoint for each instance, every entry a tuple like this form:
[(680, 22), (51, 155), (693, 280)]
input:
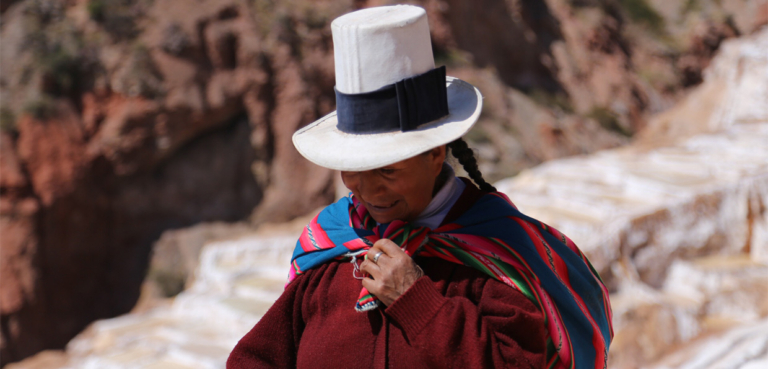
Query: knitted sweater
[(453, 317)]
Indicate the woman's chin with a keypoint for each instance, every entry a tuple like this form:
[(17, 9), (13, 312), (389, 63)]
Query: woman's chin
[(384, 216)]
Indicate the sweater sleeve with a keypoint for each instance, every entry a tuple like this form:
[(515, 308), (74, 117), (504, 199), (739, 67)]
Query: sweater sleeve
[(273, 342), (502, 329)]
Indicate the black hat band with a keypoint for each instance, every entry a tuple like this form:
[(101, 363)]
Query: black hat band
[(403, 106)]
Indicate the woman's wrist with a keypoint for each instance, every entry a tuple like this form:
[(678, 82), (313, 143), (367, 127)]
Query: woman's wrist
[(415, 308)]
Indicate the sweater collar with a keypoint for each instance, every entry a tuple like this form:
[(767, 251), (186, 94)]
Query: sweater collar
[(442, 202)]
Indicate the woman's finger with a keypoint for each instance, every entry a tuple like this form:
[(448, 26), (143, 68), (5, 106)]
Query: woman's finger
[(390, 248), (372, 285), (368, 266), (375, 249), (378, 248)]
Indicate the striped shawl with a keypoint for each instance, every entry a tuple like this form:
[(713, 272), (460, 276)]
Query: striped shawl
[(495, 238)]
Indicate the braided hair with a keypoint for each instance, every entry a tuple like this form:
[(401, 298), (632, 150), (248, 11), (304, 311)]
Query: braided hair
[(466, 157)]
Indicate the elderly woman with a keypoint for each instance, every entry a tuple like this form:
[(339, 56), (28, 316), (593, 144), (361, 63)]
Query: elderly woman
[(417, 268)]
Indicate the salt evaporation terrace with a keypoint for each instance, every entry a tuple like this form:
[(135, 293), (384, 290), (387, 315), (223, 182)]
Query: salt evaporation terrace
[(680, 233)]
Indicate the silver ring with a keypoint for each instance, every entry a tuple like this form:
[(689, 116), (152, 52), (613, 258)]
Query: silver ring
[(376, 257)]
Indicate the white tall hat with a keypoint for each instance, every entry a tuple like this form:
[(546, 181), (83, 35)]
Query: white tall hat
[(390, 98)]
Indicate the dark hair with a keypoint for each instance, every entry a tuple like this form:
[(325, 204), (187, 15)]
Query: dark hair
[(466, 157)]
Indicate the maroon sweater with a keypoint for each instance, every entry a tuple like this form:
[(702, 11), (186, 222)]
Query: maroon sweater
[(453, 317)]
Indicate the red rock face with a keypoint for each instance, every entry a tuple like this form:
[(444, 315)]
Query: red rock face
[(86, 191), (77, 248), (169, 113)]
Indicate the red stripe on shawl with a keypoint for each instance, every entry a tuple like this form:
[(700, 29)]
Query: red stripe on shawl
[(562, 237), (551, 361), (483, 246), (318, 233), (550, 257), (392, 231), (562, 273), (361, 213), (497, 273), (607, 306), (321, 236), (365, 293), (356, 244), (518, 261), (571, 245), (304, 241), (430, 250), (413, 243), (503, 196), (556, 327), (293, 272)]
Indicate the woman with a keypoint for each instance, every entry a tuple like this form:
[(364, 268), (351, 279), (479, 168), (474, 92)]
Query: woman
[(418, 268)]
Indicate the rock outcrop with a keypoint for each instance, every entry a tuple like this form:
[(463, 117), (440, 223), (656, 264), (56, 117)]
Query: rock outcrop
[(123, 119), (133, 120)]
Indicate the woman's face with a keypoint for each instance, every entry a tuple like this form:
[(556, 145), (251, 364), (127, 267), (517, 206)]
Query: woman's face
[(400, 191)]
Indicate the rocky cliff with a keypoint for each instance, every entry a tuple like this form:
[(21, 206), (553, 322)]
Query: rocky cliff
[(124, 118)]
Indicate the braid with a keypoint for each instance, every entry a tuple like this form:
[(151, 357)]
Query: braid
[(466, 157)]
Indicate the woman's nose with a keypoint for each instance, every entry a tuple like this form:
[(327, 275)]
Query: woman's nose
[(370, 184)]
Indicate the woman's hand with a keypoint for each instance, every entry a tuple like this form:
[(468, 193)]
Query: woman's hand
[(393, 273)]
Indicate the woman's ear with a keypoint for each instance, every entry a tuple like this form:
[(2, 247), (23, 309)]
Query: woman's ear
[(437, 157)]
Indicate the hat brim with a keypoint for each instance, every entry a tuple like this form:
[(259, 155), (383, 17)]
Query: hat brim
[(322, 143)]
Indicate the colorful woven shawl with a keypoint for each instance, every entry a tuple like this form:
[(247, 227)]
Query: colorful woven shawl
[(495, 238)]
